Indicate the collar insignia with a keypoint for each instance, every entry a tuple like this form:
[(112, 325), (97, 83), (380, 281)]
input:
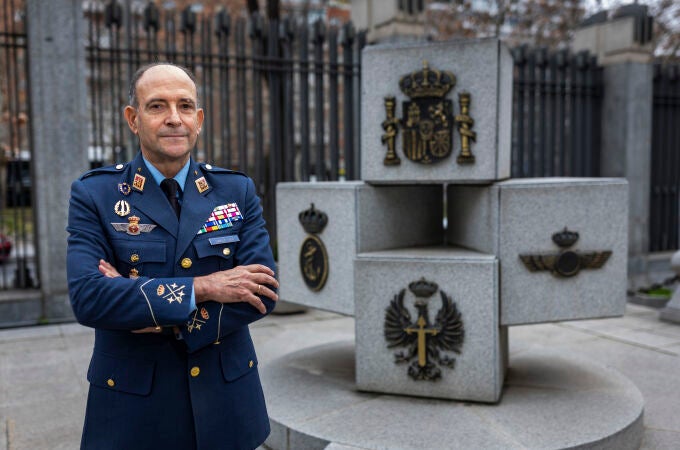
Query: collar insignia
[(138, 182), (202, 185)]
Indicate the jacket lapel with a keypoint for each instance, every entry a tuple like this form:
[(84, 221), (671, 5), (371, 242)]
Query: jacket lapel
[(196, 208)]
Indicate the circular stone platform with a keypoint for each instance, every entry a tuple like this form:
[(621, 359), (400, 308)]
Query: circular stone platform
[(549, 401)]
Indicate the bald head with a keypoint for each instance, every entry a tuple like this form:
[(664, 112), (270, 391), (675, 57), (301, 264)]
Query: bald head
[(155, 66)]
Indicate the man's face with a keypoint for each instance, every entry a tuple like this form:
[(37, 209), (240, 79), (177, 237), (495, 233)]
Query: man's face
[(167, 119)]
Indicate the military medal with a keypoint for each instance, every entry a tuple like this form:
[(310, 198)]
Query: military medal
[(122, 208), (133, 227), (202, 185), (221, 217), (124, 188), (138, 182)]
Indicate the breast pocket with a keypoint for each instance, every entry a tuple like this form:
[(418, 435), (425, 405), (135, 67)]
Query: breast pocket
[(218, 249), (136, 254)]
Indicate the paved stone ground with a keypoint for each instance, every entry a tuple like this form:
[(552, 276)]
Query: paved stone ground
[(43, 387)]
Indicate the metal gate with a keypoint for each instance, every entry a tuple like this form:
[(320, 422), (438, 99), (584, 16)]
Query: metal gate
[(280, 97), (557, 102), (17, 249), (665, 177)]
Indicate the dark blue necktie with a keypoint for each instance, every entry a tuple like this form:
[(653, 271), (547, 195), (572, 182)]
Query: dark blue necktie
[(170, 186)]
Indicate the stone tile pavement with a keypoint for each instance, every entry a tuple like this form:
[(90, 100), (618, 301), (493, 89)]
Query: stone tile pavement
[(43, 387)]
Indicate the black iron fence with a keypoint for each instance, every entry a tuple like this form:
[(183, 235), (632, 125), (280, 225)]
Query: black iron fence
[(664, 225), (556, 113), (280, 97), (17, 250)]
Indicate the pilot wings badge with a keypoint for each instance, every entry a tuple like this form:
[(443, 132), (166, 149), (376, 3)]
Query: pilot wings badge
[(133, 227), (424, 342)]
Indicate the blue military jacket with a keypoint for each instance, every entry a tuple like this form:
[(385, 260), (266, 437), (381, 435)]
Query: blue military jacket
[(199, 390)]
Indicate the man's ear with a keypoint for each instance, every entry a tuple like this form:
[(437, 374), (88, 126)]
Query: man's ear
[(199, 119), (131, 117)]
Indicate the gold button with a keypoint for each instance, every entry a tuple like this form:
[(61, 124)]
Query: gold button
[(186, 263), (110, 382), (250, 364), (134, 257), (226, 251), (195, 371)]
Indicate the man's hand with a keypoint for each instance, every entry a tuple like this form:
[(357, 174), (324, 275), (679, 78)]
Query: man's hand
[(107, 269), (240, 284)]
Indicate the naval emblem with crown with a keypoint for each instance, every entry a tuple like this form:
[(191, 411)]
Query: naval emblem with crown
[(313, 254)]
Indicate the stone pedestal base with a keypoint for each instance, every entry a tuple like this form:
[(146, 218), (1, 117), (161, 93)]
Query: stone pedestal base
[(549, 401), (671, 313)]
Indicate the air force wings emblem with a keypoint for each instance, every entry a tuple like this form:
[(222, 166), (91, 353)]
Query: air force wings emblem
[(566, 263), (424, 343), (133, 227)]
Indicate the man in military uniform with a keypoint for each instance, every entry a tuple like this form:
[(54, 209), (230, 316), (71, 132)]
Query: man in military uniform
[(169, 261)]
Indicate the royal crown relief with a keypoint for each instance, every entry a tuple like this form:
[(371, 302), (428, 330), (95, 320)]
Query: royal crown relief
[(428, 123)]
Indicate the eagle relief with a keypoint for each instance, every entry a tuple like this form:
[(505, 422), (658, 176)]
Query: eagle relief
[(424, 344)]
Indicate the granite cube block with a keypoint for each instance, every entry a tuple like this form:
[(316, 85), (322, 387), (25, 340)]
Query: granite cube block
[(481, 67), (470, 281), (545, 278), (360, 218)]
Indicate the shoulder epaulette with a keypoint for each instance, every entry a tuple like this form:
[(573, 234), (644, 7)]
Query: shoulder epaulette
[(208, 168), (115, 168)]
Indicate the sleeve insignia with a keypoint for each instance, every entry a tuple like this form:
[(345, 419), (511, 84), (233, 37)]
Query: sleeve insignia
[(171, 292), (195, 323)]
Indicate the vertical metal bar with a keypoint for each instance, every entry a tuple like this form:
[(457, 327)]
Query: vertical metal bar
[(347, 42), (318, 40), (590, 151), (223, 26), (361, 43), (674, 143), (562, 60), (531, 114), (273, 72), (519, 56), (541, 64), (257, 38), (304, 102), (241, 92), (286, 36), (550, 118), (333, 112), (93, 57), (654, 224), (206, 61)]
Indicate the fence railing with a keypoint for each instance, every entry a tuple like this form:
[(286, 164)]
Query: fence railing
[(665, 174), (17, 246), (280, 97), (556, 113)]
